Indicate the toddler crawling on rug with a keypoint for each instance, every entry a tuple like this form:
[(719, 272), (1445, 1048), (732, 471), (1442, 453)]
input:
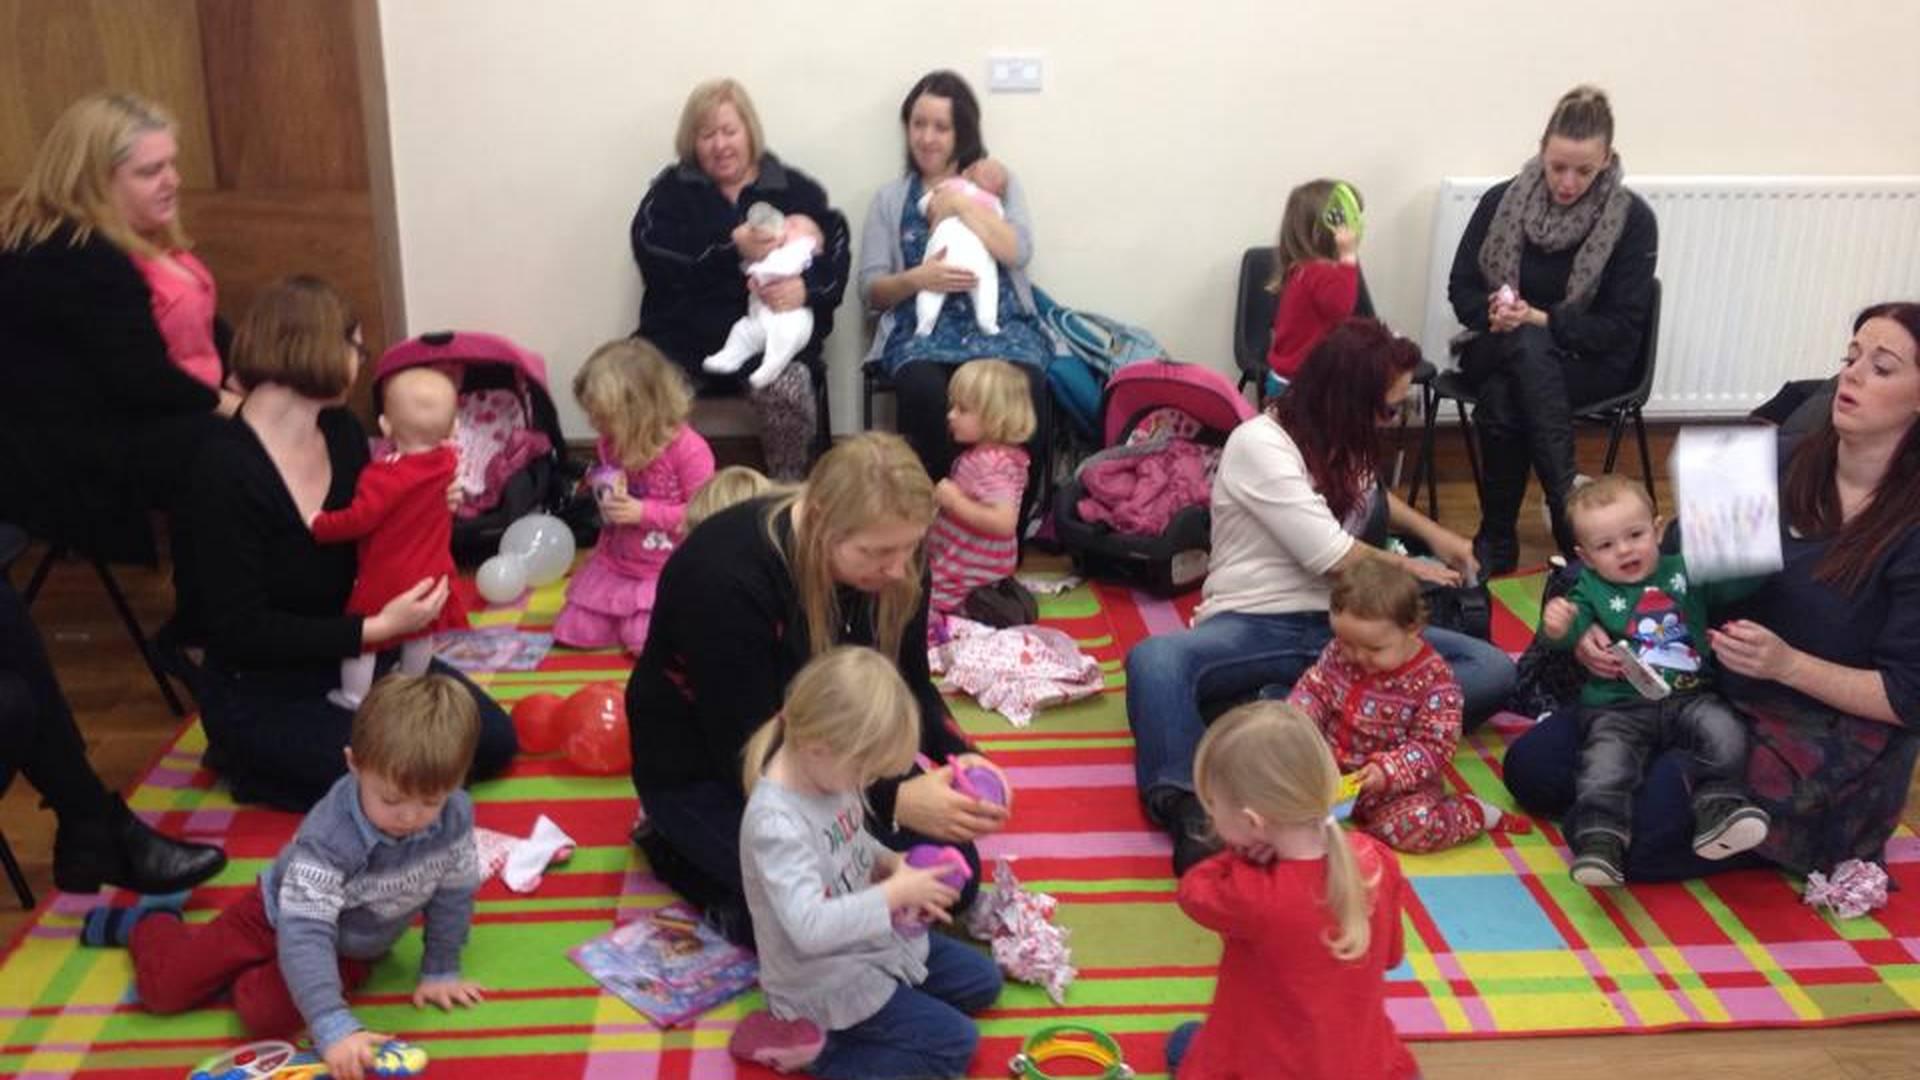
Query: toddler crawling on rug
[(391, 840), (983, 183)]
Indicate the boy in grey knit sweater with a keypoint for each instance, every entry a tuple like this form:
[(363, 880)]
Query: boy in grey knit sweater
[(392, 839)]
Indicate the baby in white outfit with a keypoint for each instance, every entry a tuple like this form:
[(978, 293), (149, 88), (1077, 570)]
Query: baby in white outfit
[(777, 336), (985, 181)]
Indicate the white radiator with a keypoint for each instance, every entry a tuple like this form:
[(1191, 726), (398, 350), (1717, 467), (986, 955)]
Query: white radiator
[(1761, 276)]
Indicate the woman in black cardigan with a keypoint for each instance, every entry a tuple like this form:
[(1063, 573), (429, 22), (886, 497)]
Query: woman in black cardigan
[(97, 425), (1554, 282), (751, 595), (275, 599)]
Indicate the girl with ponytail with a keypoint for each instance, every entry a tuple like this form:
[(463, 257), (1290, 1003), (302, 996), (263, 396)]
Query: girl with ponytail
[(1309, 912), (848, 992)]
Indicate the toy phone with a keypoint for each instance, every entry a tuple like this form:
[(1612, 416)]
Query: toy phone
[(1641, 675), (1343, 209)]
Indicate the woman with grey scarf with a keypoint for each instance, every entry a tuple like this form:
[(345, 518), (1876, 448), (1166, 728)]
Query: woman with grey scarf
[(1554, 282)]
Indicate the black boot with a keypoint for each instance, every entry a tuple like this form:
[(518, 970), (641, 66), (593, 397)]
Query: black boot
[(1180, 813), (119, 849), (1503, 484)]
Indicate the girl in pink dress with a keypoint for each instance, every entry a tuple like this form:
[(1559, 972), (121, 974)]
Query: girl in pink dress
[(651, 463)]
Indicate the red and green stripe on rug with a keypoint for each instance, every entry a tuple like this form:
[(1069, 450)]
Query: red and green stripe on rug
[(1500, 941)]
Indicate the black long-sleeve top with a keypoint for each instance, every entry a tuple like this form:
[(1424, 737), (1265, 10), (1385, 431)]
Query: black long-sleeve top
[(682, 238), (1608, 329), (727, 636), (81, 361), (274, 597)]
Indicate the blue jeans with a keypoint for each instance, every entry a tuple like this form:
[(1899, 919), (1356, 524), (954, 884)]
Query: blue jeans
[(922, 1031), (1541, 768), (1234, 655), (1177, 1044)]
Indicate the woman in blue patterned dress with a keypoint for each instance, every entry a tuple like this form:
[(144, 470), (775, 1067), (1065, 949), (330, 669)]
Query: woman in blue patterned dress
[(942, 122)]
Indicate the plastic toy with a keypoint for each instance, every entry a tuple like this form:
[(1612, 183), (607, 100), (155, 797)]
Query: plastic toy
[(928, 856), (595, 722), (1343, 209), (278, 1060), (980, 782), (536, 723), (1072, 1041), (605, 480), (1349, 794)]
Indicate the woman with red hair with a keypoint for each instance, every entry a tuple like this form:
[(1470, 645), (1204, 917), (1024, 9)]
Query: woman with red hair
[(1295, 502)]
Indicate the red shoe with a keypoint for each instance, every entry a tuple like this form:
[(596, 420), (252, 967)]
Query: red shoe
[(781, 1045)]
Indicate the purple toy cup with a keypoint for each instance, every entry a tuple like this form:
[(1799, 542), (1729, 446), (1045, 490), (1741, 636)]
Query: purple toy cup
[(928, 856), (604, 480), (980, 782)]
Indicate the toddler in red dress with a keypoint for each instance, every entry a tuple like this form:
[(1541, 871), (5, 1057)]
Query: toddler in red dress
[(399, 516), (1309, 913)]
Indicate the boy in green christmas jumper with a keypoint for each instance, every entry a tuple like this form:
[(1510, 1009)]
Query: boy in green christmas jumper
[(1642, 598)]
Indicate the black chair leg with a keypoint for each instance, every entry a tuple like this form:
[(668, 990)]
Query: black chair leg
[(17, 879), (40, 573), (132, 623), (1423, 462), (1615, 430), (1646, 459)]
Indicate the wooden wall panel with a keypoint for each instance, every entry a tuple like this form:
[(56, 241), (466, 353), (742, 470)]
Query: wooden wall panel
[(54, 51), (284, 94)]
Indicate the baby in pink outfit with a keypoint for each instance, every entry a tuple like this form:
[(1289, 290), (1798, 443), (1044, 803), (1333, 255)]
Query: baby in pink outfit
[(984, 182)]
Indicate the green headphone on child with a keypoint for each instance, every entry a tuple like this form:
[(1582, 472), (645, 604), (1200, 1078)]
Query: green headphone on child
[(1343, 208)]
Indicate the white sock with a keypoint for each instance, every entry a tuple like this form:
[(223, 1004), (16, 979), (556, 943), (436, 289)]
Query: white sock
[(1489, 813)]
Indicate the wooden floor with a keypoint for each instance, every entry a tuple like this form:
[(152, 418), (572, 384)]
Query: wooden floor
[(126, 725)]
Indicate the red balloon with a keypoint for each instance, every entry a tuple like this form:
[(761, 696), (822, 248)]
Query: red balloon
[(595, 720), (536, 720)]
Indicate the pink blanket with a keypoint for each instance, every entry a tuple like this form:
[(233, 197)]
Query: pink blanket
[(1136, 493)]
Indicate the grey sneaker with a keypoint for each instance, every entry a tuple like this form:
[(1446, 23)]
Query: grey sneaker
[(1729, 827), (1599, 859)]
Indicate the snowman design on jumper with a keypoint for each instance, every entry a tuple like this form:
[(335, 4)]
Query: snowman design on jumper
[(1661, 637)]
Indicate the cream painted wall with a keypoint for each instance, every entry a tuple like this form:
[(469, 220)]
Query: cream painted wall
[(1164, 142)]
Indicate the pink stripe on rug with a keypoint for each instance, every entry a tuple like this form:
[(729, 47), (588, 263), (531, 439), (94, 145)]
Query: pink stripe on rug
[(1159, 616), (1070, 776), (1075, 845)]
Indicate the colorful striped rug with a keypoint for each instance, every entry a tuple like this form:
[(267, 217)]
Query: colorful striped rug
[(1500, 942)]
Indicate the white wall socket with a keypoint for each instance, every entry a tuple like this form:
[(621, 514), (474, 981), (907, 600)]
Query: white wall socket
[(1013, 73)]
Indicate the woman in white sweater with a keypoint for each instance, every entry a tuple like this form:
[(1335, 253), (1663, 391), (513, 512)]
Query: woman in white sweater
[(1294, 497)]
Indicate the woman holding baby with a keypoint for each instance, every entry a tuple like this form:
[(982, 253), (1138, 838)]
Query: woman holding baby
[(903, 254), (693, 241)]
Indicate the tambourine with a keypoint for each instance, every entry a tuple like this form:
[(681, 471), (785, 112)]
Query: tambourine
[(1074, 1041)]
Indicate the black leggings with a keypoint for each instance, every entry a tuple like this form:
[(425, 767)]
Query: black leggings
[(277, 740), (920, 390), (37, 732)]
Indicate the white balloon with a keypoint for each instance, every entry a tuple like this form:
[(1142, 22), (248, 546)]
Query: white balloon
[(502, 578), (546, 544)]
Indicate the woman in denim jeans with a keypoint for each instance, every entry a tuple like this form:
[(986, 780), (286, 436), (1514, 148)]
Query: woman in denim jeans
[(1294, 495)]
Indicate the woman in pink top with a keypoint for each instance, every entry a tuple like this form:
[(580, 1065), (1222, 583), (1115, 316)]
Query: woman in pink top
[(184, 302)]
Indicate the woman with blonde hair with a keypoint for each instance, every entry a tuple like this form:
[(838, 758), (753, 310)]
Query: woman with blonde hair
[(691, 239), (752, 595), (276, 599), (108, 375), (1310, 912)]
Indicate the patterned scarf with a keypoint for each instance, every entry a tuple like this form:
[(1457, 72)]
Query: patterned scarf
[(1528, 214)]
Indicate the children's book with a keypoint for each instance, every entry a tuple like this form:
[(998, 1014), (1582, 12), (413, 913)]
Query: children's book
[(496, 649), (669, 964)]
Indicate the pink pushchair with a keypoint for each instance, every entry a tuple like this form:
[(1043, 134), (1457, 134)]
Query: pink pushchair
[(511, 449)]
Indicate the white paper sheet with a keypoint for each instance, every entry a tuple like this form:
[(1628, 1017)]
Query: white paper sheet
[(1726, 482)]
